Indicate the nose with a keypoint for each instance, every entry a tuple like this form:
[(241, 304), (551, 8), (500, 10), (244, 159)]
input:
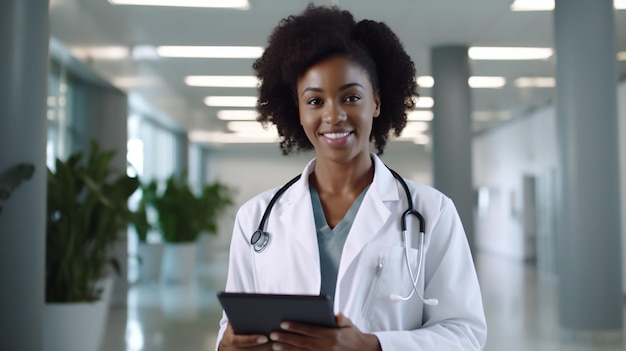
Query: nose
[(333, 113)]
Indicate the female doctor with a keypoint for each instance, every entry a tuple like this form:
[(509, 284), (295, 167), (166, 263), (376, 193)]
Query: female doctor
[(335, 85)]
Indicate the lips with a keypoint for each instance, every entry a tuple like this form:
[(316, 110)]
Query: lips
[(336, 137)]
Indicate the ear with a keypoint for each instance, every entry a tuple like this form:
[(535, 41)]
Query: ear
[(376, 105)]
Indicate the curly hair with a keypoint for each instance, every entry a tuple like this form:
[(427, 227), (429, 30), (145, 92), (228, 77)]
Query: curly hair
[(300, 41)]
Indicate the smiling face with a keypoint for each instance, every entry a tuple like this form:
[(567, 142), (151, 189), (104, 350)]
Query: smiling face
[(337, 105)]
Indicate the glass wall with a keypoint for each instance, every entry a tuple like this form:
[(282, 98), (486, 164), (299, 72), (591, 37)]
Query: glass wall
[(59, 114)]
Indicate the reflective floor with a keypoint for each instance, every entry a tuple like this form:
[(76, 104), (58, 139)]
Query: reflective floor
[(521, 308)]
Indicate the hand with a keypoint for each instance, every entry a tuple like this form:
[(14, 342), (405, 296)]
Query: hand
[(232, 342), (307, 337)]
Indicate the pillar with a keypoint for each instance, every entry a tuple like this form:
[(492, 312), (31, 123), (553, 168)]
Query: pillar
[(589, 244), (24, 35), (452, 133)]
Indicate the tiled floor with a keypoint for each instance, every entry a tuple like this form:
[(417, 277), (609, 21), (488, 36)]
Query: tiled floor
[(521, 309)]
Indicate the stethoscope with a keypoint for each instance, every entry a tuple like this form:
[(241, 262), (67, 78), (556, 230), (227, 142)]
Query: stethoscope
[(260, 238)]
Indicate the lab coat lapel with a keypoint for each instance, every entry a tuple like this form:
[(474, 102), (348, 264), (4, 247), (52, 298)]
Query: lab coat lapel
[(298, 219), (372, 215)]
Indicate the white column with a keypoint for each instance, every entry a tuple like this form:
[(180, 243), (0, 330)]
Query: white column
[(24, 35), (452, 134), (589, 245)]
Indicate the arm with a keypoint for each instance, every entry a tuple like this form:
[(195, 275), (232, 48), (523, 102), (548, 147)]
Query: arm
[(458, 321), (240, 273)]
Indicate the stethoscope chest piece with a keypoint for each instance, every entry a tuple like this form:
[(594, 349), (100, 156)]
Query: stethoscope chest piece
[(259, 240)]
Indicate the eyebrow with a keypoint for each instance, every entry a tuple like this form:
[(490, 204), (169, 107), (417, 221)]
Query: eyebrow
[(341, 88)]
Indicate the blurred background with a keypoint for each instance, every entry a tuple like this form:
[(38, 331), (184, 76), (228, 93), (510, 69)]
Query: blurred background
[(169, 86)]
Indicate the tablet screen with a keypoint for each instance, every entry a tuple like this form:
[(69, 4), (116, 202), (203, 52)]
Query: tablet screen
[(250, 313)]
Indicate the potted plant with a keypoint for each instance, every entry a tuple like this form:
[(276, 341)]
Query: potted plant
[(181, 218), (149, 252), (86, 210), (215, 198)]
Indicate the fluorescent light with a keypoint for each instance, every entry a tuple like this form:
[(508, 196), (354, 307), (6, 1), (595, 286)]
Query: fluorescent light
[(144, 52), (535, 82), (131, 82), (621, 56), (250, 127), (232, 4), (422, 115), (425, 81), (231, 101), (200, 136), (237, 115), (421, 139), (210, 51), (548, 5), (414, 131), (415, 127), (509, 53), (486, 82), (423, 101), (532, 5), (223, 81), (100, 52)]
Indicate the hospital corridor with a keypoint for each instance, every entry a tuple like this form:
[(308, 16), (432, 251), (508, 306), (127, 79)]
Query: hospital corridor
[(139, 137), (521, 308)]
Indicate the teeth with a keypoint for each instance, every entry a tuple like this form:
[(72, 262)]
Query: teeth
[(336, 135)]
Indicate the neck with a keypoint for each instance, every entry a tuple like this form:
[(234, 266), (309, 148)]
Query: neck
[(342, 178)]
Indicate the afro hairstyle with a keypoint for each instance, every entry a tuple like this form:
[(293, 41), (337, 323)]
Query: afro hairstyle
[(300, 41)]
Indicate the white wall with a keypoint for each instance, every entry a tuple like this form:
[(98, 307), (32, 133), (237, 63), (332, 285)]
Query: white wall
[(528, 146), (502, 157)]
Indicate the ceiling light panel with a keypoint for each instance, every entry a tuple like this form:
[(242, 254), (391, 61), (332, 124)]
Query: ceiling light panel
[(237, 115), (100, 52), (421, 115), (222, 81), (242, 52), (425, 81), (486, 82), (548, 5), (535, 82), (423, 101), (509, 53), (230, 4), (230, 101)]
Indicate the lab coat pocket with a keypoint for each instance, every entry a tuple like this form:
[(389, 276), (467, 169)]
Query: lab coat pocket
[(373, 286), (390, 276)]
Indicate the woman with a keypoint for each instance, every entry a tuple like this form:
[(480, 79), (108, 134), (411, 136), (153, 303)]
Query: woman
[(334, 85)]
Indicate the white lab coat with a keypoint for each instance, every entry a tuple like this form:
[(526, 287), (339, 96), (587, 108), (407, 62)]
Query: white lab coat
[(290, 264)]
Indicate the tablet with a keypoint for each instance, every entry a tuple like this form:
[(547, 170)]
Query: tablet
[(251, 313)]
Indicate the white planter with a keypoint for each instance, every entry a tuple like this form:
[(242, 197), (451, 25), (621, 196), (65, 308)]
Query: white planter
[(150, 257), (77, 326), (179, 263)]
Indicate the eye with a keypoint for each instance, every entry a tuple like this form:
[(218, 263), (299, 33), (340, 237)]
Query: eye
[(352, 98), (314, 101)]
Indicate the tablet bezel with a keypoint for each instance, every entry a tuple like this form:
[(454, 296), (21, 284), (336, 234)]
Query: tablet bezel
[(253, 313)]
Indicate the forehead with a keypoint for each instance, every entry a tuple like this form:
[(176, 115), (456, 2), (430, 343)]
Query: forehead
[(335, 70)]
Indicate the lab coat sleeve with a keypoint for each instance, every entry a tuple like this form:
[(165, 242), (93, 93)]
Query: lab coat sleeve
[(240, 271), (458, 321)]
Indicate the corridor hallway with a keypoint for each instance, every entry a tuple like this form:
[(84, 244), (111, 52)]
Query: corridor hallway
[(520, 305)]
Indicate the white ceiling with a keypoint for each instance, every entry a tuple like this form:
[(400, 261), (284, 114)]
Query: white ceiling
[(420, 24)]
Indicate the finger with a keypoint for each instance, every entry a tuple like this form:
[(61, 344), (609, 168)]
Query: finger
[(302, 329), (291, 341), (343, 321), (243, 340)]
